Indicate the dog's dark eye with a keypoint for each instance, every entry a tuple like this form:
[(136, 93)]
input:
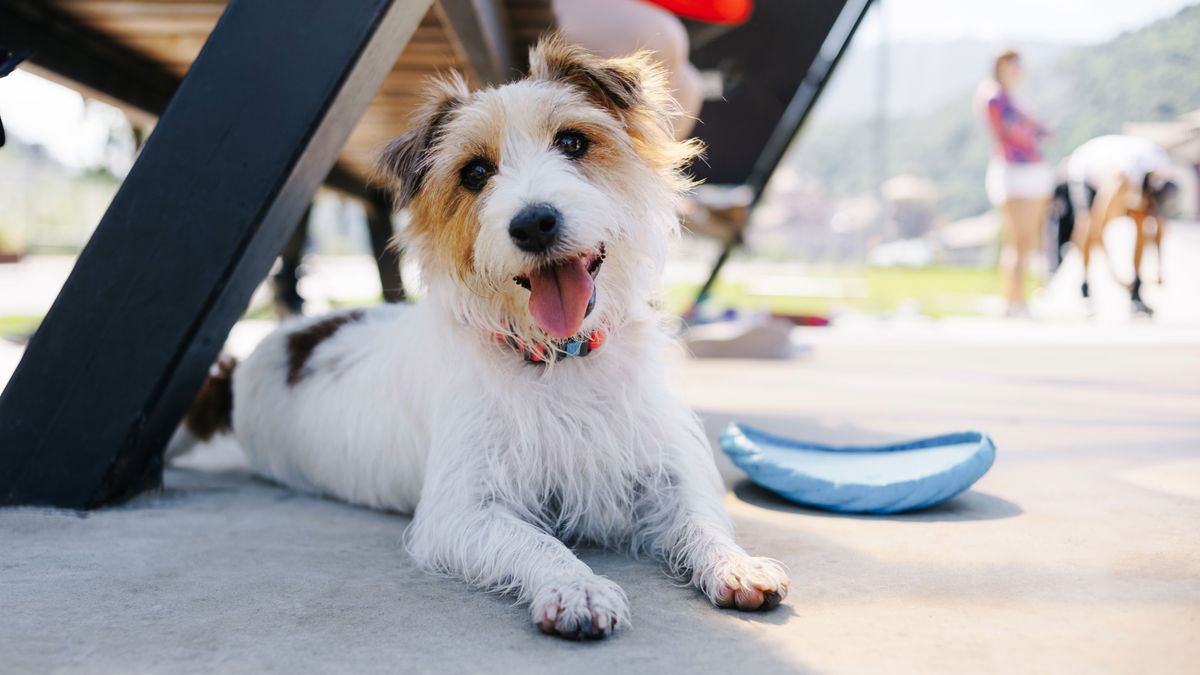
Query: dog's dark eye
[(475, 174), (571, 143)]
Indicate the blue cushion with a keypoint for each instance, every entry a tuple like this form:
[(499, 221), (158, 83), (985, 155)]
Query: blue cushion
[(863, 479)]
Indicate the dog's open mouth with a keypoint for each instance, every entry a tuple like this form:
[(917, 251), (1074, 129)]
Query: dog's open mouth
[(563, 292)]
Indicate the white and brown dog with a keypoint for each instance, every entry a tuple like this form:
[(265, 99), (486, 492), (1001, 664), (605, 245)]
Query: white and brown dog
[(522, 406)]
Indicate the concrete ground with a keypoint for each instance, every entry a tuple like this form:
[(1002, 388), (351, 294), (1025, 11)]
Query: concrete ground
[(1078, 552)]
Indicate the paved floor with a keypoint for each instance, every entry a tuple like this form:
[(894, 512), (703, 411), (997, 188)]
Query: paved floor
[(1078, 552)]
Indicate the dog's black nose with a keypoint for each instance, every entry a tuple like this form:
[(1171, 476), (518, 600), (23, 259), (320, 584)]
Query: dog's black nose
[(535, 228)]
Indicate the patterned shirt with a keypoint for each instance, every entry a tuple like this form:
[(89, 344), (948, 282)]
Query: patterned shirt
[(1017, 134)]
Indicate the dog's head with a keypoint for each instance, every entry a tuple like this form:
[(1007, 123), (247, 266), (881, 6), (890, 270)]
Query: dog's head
[(544, 206)]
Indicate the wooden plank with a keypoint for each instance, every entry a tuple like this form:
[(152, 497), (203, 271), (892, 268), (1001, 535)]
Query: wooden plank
[(143, 6), (190, 43), (152, 24), (169, 33), (478, 30), (193, 229), (79, 55)]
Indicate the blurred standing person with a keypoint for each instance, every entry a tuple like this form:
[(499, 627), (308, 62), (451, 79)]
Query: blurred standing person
[(1113, 176), (1019, 183)]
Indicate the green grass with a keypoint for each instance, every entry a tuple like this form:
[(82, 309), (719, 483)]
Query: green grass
[(939, 291), (343, 303), (19, 325)]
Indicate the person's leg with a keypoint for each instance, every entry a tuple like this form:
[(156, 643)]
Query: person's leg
[(1043, 207), (1083, 239), (1139, 245), (613, 28), (1082, 196), (1026, 217), (1093, 238), (1159, 224), (1109, 204), (1010, 257), (1034, 223)]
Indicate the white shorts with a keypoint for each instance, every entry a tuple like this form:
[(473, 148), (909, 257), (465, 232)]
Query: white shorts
[(1009, 180)]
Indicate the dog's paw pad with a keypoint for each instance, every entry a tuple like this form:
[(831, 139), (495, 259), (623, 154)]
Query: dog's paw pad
[(586, 609), (749, 584)]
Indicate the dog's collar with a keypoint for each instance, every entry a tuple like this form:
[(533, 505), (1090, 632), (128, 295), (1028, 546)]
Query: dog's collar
[(540, 352)]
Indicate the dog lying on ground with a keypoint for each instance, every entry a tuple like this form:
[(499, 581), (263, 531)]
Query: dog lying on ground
[(522, 406)]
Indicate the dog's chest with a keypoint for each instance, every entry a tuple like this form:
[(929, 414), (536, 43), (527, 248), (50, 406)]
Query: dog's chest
[(581, 462)]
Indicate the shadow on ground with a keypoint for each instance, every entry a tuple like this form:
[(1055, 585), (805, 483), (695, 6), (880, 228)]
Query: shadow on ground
[(220, 571), (968, 506)]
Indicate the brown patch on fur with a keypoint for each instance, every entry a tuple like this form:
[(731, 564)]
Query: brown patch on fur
[(606, 161), (445, 218), (211, 412), (302, 343), (442, 215)]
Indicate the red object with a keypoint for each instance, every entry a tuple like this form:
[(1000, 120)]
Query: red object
[(803, 319), (539, 353), (596, 339), (712, 11)]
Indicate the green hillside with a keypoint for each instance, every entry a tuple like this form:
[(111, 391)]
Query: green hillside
[(1152, 74)]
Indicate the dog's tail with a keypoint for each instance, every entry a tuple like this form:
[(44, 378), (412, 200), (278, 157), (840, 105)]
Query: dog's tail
[(211, 412)]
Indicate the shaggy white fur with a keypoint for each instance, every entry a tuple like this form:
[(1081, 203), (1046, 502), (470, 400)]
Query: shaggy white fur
[(504, 463)]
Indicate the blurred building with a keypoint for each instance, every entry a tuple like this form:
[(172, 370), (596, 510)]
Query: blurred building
[(911, 204), (794, 217), (969, 241)]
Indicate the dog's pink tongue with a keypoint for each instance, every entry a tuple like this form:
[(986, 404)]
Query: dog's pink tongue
[(559, 296)]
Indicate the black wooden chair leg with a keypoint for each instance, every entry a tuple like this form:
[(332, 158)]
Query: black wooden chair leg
[(286, 279), (236, 157), (387, 257)]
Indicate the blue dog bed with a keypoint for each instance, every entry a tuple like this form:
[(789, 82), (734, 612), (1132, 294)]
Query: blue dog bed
[(864, 479)]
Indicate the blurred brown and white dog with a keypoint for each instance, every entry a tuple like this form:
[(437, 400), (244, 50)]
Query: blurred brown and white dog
[(522, 406)]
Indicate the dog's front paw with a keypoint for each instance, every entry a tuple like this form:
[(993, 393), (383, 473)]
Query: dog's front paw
[(744, 582), (580, 609)]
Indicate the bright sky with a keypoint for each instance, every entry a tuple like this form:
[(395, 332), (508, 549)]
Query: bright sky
[(37, 111), (1014, 21)]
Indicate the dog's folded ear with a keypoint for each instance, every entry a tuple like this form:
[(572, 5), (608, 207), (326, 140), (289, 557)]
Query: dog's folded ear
[(404, 162), (635, 89), (616, 84)]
